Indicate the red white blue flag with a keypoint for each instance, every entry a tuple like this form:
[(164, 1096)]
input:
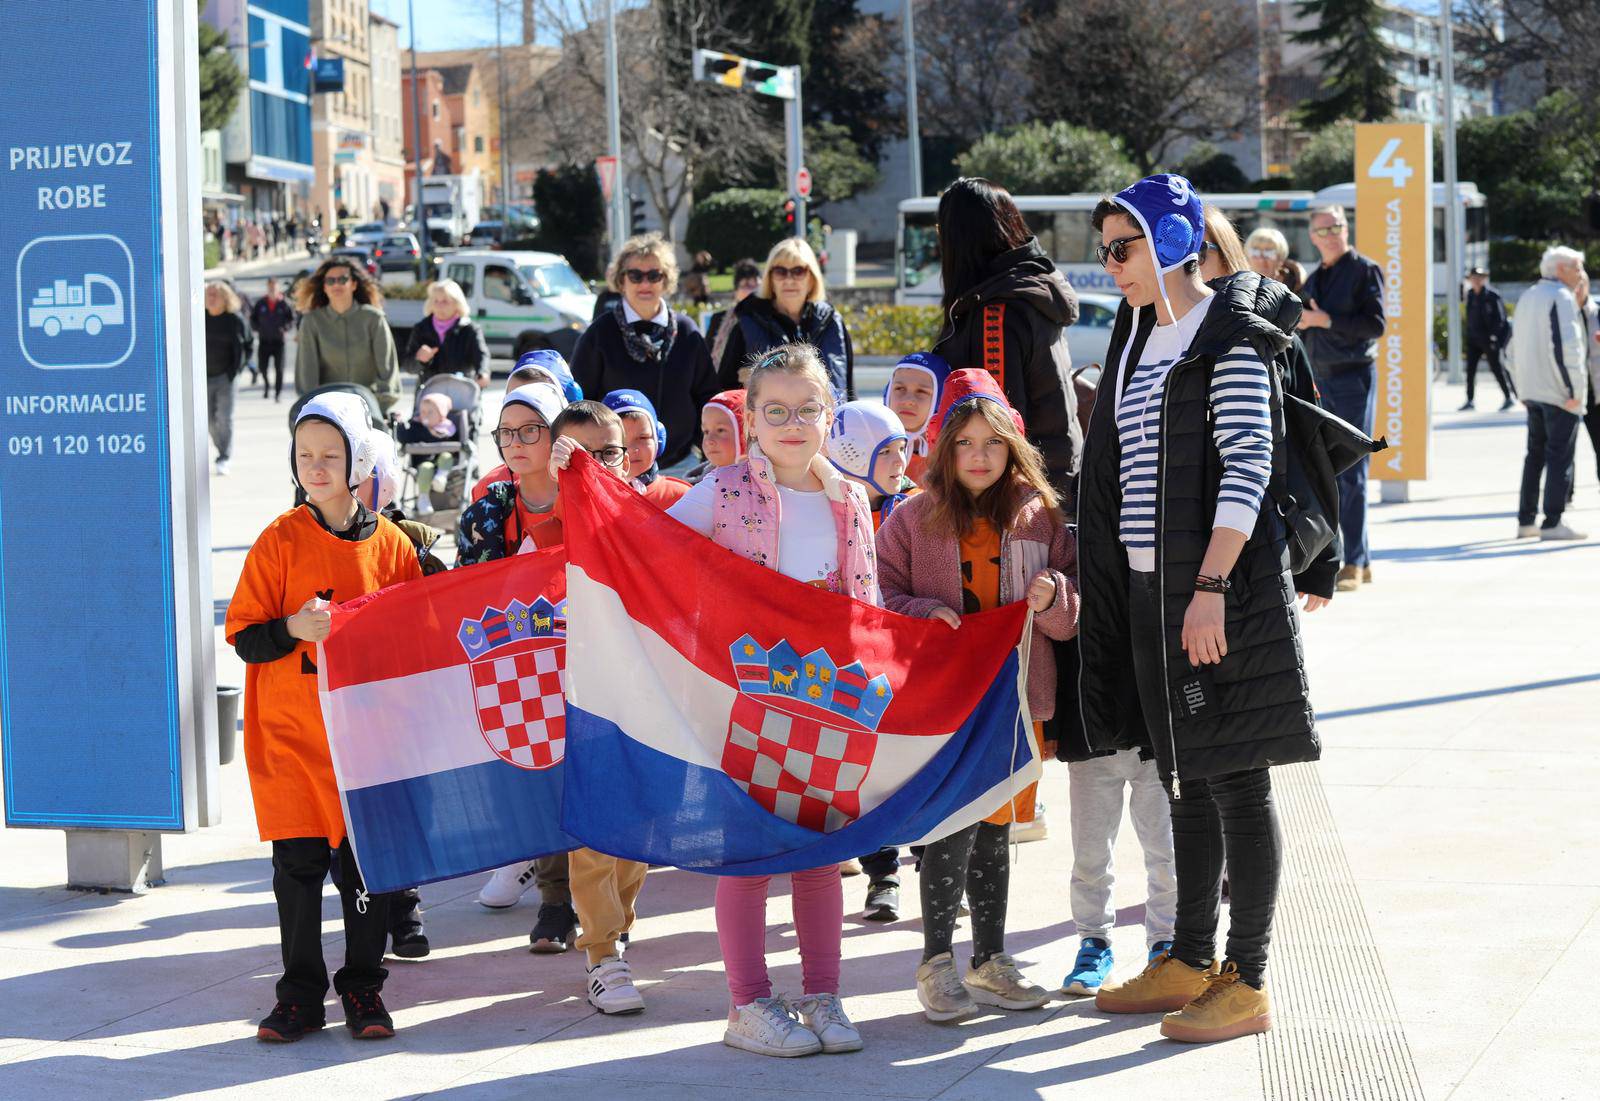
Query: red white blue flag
[(444, 705), (723, 717)]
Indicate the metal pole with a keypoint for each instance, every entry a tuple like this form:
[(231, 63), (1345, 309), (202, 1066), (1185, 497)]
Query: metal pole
[(505, 157), (619, 199), (794, 126), (417, 215), (913, 135), (1452, 202)]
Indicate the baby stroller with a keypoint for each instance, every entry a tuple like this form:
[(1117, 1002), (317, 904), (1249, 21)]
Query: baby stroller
[(441, 472), (374, 413)]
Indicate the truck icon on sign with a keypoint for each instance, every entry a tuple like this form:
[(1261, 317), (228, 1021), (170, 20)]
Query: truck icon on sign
[(63, 306)]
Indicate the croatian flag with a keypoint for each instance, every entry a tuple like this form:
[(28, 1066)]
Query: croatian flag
[(444, 709), (725, 718)]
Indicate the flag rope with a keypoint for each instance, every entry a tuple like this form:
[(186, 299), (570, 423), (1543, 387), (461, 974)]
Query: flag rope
[(1024, 721)]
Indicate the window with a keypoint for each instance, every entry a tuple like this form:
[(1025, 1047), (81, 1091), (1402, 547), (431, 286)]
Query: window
[(477, 144), (433, 108), (499, 283)]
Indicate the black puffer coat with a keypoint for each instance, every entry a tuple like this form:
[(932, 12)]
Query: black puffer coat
[(1260, 713)]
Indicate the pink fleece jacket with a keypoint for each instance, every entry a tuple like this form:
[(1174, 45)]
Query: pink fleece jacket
[(920, 570)]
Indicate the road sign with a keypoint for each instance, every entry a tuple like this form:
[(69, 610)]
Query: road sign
[(1394, 227), (607, 168), (802, 182), (106, 653)]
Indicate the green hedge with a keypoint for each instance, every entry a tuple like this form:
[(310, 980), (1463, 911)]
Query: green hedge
[(1517, 260), (892, 330), (738, 222), (213, 252)]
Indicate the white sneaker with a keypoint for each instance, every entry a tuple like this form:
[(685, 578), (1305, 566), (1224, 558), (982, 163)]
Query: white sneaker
[(1561, 533), (768, 1026), (611, 988), (441, 476), (424, 504), (221, 468), (507, 886), (824, 1015), (941, 992), (1036, 830), (999, 982), (1527, 531)]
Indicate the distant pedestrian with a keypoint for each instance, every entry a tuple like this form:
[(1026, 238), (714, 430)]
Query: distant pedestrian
[(1591, 415), (227, 342), (1488, 332), (272, 317), (746, 281), (447, 342), (1267, 252), (1550, 352), (344, 336), (790, 307), (1342, 322)]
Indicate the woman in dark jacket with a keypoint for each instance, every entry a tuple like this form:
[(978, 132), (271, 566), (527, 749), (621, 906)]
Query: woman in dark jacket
[(1006, 310), (446, 342), (1189, 634), (789, 308), (227, 346), (638, 343)]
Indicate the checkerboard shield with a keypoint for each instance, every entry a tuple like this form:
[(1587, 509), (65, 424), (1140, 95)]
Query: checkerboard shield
[(518, 696), (804, 764)]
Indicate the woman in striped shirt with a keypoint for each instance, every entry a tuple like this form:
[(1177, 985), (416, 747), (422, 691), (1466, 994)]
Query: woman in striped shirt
[(1190, 641)]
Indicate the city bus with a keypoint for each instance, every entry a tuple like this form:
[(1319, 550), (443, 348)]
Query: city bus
[(1061, 223)]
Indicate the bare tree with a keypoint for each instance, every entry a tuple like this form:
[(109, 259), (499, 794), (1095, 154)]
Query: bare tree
[(1543, 45), (1149, 71), (971, 65), (672, 126)]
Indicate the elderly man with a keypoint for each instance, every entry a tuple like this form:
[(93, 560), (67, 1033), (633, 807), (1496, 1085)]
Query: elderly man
[(1341, 324), (1550, 354)]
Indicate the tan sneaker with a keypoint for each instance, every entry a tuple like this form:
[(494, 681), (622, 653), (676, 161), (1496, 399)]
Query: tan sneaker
[(1229, 1008), (1166, 985), (940, 990), (998, 982), (1347, 580)]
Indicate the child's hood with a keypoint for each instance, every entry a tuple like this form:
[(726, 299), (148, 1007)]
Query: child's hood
[(969, 384), (349, 414)]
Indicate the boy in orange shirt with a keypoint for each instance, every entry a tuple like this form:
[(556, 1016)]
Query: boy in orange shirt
[(332, 548)]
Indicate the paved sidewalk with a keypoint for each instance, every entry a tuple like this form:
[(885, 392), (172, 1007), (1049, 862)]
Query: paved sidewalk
[(1440, 917)]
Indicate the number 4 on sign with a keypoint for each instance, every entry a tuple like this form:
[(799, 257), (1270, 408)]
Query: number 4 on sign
[(1387, 166)]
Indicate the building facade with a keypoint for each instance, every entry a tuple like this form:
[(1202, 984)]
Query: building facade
[(388, 144), (266, 147), (346, 183)]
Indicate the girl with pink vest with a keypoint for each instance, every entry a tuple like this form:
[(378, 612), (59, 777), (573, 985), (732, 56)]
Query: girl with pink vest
[(784, 506), (985, 531)]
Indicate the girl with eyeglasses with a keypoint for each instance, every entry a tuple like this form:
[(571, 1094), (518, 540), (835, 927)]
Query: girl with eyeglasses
[(640, 343), (784, 506), (791, 307), (344, 336), (521, 508)]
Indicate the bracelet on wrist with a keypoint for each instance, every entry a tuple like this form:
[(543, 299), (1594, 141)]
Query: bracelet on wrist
[(1218, 585)]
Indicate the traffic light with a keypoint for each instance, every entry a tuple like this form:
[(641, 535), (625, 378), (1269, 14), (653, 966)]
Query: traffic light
[(733, 71), (719, 68), (635, 214), (788, 218)]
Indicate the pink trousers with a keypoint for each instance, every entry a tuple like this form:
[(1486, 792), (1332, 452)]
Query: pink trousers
[(742, 931)]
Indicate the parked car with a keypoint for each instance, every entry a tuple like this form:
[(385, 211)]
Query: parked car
[(1091, 335), (521, 300), (365, 233), (361, 255), (487, 235), (397, 252)]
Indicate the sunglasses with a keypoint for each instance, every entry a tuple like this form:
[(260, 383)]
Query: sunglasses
[(638, 275), (612, 456), (336, 280), (1328, 231), (1263, 254), (798, 272), (528, 434), (1117, 250), (778, 414)]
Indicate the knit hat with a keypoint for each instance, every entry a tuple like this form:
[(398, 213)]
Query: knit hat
[(966, 386), (860, 433), (548, 364), (542, 397), (349, 414), (731, 402), (622, 402), (1169, 212)]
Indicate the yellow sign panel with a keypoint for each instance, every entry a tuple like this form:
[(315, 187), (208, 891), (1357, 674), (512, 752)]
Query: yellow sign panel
[(1394, 226)]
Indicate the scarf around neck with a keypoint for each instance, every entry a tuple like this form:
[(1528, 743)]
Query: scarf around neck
[(654, 348)]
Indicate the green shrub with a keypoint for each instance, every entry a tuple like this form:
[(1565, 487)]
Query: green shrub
[(741, 221), (572, 217), (213, 252), (1517, 260), (892, 330), (408, 291), (1050, 159)]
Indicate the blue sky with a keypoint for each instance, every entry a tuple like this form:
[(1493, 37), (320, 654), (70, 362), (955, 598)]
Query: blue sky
[(450, 24)]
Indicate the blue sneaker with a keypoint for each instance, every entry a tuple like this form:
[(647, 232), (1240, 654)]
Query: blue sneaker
[(1159, 948), (1091, 968)]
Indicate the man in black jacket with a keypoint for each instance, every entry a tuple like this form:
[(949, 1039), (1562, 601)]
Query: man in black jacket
[(272, 318), (1488, 329), (1342, 322)]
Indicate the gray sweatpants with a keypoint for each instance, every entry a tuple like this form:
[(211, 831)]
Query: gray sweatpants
[(219, 413), (1097, 788)]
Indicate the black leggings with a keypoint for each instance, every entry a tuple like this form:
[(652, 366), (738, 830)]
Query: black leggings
[(270, 359), (1226, 820), (970, 861)]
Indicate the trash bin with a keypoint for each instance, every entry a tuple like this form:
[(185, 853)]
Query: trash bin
[(227, 721)]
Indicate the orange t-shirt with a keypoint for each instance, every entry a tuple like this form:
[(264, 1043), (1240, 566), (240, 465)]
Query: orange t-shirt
[(285, 743), (916, 467), (665, 491), (980, 592), (544, 528)]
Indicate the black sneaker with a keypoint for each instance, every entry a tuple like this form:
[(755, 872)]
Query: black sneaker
[(408, 940), (883, 900), (288, 1023), (553, 931), (365, 1016)]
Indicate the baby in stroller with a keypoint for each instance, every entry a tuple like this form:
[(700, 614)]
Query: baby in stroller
[(440, 444)]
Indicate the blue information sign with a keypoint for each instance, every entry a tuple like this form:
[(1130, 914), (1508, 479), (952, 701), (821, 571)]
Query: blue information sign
[(92, 714), (328, 76)]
